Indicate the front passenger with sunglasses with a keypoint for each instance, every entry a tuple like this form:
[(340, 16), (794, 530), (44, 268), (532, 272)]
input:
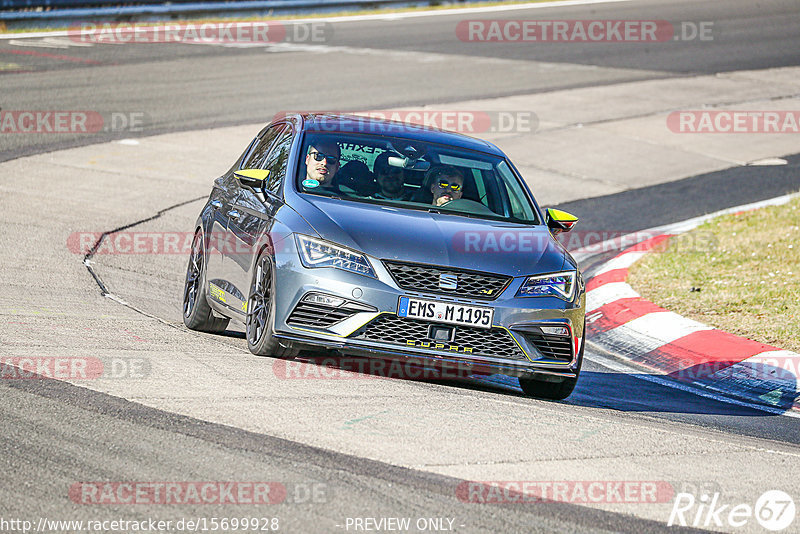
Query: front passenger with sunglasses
[(446, 184)]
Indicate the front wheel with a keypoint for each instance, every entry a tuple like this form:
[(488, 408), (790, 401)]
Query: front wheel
[(541, 389), (260, 313)]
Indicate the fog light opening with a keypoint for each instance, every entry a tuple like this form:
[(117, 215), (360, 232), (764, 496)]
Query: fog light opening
[(562, 331)]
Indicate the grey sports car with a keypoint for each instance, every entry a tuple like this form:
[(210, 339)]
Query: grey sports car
[(377, 239)]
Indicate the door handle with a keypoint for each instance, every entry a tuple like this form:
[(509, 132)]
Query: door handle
[(216, 204), (233, 214)]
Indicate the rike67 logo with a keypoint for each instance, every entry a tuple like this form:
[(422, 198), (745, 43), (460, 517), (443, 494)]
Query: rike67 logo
[(774, 510)]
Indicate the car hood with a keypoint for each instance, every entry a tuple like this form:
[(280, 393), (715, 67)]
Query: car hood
[(389, 233)]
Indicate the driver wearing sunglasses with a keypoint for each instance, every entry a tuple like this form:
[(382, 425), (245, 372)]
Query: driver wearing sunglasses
[(446, 184), (322, 163)]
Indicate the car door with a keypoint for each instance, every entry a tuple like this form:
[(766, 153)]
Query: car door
[(223, 293), (225, 191), (253, 211)]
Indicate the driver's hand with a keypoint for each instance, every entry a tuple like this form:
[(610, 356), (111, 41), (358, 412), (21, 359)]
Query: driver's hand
[(444, 199)]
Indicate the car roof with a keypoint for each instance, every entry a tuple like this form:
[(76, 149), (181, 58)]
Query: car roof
[(331, 122)]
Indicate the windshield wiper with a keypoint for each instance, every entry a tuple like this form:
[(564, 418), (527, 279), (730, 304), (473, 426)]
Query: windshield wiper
[(459, 213)]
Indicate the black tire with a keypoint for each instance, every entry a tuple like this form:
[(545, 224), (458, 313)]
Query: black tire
[(541, 389), (260, 318), (196, 311)]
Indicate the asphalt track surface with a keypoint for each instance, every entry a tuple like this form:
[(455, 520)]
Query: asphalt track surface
[(187, 87)]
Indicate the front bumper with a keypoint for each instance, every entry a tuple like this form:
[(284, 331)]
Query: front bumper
[(374, 313)]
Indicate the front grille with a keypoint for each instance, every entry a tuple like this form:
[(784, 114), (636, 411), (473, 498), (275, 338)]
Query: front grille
[(317, 315), (425, 278), (555, 347), (494, 342)]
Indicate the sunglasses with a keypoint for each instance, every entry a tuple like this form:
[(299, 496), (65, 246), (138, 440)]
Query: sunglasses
[(454, 186), (319, 156)]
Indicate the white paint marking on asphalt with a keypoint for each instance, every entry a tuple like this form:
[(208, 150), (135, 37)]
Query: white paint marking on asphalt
[(48, 42), (385, 17), (401, 55), (617, 366), (607, 293), (767, 162), (420, 57), (131, 142)]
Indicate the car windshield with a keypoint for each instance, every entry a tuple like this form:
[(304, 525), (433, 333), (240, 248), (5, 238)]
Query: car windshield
[(414, 175)]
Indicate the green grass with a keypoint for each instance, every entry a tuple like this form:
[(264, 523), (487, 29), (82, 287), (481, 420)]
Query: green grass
[(376, 11), (739, 273)]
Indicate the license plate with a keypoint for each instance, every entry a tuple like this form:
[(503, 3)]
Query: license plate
[(445, 312)]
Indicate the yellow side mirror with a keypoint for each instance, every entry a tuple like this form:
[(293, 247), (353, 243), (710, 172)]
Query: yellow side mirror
[(560, 221), (251, 177)]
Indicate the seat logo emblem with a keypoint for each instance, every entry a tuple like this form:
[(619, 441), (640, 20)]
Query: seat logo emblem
[(448, 281)]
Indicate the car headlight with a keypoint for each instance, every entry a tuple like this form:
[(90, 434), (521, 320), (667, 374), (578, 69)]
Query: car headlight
[(318, 253), (561, 285)]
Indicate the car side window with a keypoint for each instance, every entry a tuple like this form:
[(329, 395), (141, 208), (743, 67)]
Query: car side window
[(278, 159), (256, 157)]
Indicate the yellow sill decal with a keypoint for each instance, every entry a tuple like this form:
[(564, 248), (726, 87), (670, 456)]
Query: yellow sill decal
[(216, 292)]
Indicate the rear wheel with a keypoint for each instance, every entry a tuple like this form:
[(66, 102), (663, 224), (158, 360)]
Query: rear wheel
[(197, 313), (261, 311), (542, 389)]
